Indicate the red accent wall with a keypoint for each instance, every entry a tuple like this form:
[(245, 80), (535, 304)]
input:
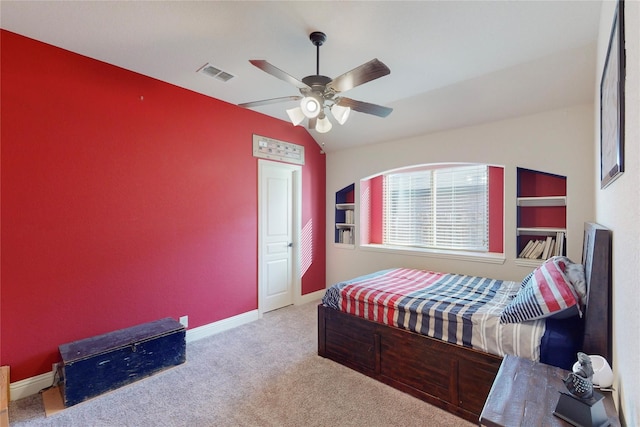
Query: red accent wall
[(542, 216), (125, 200), (376, 209), (539, 184), (349, 197), (496, 209)]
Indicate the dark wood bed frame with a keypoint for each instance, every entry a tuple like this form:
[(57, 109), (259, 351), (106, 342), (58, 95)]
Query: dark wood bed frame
[(454, 378)]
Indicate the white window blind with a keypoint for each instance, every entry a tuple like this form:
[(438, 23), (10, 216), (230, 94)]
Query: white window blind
[(443, 208)]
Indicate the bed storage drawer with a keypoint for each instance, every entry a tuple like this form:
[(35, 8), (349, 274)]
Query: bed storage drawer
[(457, 379), (417, 363), (478, 377), (353, 344), (95, 365)]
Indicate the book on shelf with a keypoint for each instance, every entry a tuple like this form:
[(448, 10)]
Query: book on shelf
[(346, 236), (537, 252), (559, 249), (543, 248), (349, 216), (526, 249), (552, 248), (524, 253), (547, 248), (532, 248)]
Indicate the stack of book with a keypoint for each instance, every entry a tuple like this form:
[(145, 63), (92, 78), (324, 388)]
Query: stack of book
[(545, 248), (346, 236), (349, 216)]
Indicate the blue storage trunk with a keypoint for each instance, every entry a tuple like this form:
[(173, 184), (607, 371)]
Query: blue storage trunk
[(102, 363)]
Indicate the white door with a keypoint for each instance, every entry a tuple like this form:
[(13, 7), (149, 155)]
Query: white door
[(276, 235)]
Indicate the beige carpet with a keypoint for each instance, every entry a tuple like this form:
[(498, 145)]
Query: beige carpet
[(266, 373)]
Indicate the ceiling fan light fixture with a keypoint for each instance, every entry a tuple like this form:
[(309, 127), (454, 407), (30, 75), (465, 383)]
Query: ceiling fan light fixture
[(310, 106), (323, 125), (296, 115), (340, 113)]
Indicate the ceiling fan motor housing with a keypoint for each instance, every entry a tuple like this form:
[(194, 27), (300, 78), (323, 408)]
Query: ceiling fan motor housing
[(317, 84), (318, 38)]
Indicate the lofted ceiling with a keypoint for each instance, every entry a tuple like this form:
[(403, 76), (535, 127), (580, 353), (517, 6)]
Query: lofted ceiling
[(453, 63)]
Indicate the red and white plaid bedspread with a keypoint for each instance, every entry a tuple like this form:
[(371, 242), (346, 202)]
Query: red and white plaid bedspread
[(462, 310)]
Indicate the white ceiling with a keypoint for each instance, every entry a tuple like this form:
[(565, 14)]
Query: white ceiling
[(453, 63)]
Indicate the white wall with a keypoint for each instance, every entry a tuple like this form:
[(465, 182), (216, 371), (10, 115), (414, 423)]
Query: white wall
[(618, 207), (559, 142)]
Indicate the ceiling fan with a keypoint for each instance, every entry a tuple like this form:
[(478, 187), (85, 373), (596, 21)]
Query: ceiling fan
[(319, 92)]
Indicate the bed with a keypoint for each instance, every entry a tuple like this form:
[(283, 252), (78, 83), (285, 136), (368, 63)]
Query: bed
[(453, 368)]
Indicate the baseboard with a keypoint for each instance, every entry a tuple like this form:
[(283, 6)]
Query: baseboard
[(313, 296), (30, 386), (221, 326), (241, 319)]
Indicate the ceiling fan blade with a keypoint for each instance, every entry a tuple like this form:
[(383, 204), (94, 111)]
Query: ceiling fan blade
[(365, 73), (365, 107), (277, 72), (270, 101), (312, 123)]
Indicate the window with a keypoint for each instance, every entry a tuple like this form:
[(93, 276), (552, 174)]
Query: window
[(438, 208)]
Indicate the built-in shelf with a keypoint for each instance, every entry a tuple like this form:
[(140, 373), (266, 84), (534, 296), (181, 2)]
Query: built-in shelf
[(542, 201), (542, 215), (345, 206), (345, 225), (538, 231), (345, 222)]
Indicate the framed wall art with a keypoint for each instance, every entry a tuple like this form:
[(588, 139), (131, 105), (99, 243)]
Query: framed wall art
[(612, 103)]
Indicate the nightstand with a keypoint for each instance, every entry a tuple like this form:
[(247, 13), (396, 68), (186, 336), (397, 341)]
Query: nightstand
[(525, 393)]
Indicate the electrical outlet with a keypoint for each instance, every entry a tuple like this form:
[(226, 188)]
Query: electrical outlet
[(184, 320)]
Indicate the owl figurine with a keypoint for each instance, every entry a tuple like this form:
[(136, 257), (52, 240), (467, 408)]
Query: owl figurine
[(579, 383)]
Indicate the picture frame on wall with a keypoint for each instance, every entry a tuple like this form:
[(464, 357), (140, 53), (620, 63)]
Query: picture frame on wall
[(612, 103)]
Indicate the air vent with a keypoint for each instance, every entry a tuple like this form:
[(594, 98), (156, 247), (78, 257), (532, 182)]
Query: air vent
[(215, 72)]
